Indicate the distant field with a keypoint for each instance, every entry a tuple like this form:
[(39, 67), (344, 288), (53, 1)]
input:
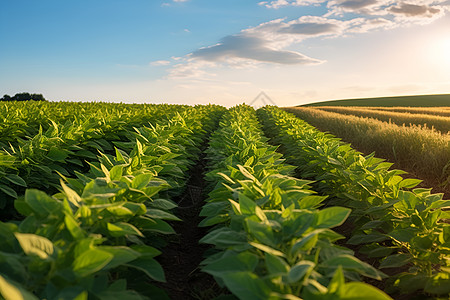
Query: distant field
[(422, 101)]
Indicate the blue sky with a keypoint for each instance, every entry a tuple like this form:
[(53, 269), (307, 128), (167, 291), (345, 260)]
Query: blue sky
[(226, 52)]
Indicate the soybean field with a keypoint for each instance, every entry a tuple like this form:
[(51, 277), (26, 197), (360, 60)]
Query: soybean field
[(146, 201)]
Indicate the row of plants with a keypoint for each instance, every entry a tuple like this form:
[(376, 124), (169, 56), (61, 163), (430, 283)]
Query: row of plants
[(64, 149), (426, 121), (420, 151), (403, 228), (270, 239), (88, 240), (25, 119)]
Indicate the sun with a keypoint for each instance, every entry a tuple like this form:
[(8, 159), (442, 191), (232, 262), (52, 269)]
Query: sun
[(440, 51)]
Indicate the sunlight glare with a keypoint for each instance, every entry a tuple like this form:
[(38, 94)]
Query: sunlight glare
[(440, 52)]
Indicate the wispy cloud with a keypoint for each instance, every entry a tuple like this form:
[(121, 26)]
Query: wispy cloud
[(160, 63)]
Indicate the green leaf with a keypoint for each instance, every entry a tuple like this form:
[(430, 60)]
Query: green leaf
[(16, 179), (247, 205), (121, 229), (332, 216), (351, 263), (33, 244), (57, 154), (241, 262), (72, 196), (8, 191), (155, 225), (224, 237), (142, 180), (409, 183), (267, 249), (73, 227), (42, 204), (150, 267), (159, 214), (307, 242), (395, 261), (300, 270), (116, 173), (121, 255), (13, 291), (439, 284), (246, 285), (276, 265), (362, 291), (359, 239), (246, 173), (261, 232), (91, 261)]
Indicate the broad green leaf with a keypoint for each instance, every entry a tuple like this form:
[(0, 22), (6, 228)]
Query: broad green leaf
[(141, 180), (267, 249), (13, 291), (332, 216), (146, 250), (307, 242), (73, 227), (351, 263), (91, 261), (409, 183), (116, 173), (224, 237), (395, 261), (121, 255), (300, 270), (35, 244), (362, 291), (439, 284), (72, 196), (246, 173), (8, 191), (261, 232), (155, 225), (159, 214), (247, 205), (150, 267), (246, 285), (120, 211), (121, 229), (276, 265), (359, 239), (42, 204), (241, 262), (16, 179), (57, 154)]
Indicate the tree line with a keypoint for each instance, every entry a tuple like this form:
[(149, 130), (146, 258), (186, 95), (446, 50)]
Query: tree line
[(23, 97)]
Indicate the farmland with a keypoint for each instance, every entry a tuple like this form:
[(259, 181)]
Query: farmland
[(116, 201)]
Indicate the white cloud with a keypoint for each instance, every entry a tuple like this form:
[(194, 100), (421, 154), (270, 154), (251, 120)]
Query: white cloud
[(401, 12), (160, 63), (245, 46), (281, 3)]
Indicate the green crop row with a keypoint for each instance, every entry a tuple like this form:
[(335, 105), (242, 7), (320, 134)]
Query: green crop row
[(24, 119), (85, 241), (64, 149), (404, 229), (270, 240)]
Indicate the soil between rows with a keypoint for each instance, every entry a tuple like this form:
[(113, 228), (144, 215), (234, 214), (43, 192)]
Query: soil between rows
[(181, 257)]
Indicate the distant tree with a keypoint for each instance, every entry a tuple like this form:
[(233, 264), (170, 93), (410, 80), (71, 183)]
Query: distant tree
[(23, 97), (6, 98)]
